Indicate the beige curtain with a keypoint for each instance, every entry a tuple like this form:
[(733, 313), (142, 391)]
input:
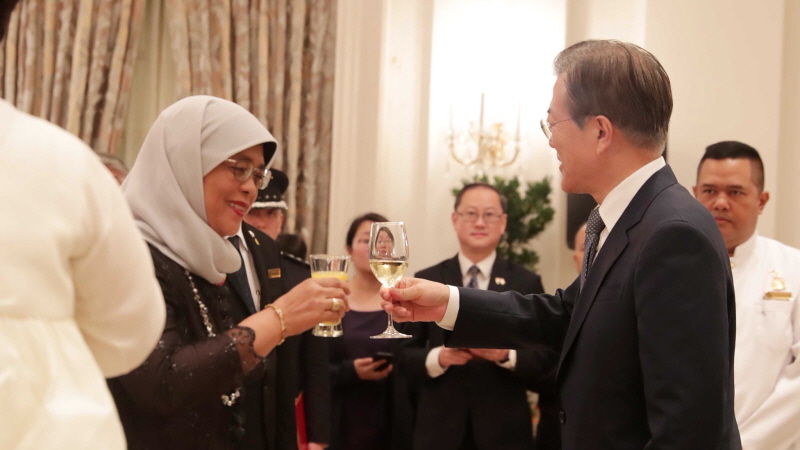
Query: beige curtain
[(276, 58), (70, 62)]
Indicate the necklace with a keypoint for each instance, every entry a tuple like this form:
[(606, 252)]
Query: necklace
[(227, 400)]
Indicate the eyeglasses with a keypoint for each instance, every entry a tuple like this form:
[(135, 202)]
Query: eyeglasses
[(472, 216), (547, 127), (243, 170)]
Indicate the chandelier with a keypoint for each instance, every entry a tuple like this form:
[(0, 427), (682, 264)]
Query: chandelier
[(482, 146)]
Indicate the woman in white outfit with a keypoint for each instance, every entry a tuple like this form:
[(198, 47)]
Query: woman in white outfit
[(78, 299)]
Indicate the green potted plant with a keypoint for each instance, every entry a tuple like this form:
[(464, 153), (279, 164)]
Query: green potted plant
[(529, 212)]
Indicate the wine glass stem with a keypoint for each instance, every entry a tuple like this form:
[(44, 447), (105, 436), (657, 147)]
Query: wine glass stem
[(391, 322)]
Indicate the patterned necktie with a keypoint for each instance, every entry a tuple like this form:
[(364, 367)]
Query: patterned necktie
[(593, 228), (473, 277), (239, 279)]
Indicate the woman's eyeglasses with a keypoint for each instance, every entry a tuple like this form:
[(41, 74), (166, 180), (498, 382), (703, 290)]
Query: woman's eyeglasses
[(243, 170)]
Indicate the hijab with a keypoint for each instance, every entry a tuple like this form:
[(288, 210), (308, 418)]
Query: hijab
[(165, 186)]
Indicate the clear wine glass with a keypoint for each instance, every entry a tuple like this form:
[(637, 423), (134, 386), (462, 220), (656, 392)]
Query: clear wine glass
[(388, 259), (329, 266)]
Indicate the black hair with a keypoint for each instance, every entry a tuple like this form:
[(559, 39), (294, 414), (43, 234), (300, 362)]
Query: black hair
[(736, 150), (292, 244), (468, 187), (6, 8), (368, 217)]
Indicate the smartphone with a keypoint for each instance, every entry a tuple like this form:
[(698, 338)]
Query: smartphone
[(386, 357)]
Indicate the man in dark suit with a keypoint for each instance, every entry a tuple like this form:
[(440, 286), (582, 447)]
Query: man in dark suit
[(648, 328), (298, 366), (477, 398)]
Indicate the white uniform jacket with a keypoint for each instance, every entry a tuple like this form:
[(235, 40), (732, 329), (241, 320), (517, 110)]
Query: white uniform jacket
[(766, 366)]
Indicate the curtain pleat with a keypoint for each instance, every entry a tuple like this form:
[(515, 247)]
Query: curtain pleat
[(275, 58), (50, 21), (70, 62)]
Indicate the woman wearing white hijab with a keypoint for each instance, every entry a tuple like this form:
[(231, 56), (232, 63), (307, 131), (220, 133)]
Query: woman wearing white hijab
[(195, 178)]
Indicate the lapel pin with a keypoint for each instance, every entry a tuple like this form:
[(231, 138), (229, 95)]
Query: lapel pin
[(253, 235), (500, 281)]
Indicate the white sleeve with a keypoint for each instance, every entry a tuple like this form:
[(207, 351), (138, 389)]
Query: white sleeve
[(511, 363), (774, 425), (432, 363), (451, 313), (118, 302)]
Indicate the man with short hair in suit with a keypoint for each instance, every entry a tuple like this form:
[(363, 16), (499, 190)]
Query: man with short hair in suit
[(476, 398), (647, 331), (300, 364)]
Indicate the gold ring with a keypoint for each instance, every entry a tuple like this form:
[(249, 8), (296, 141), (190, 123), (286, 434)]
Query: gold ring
[(337, 304)]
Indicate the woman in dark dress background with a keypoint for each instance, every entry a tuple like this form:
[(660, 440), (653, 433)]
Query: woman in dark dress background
[(370, 406)]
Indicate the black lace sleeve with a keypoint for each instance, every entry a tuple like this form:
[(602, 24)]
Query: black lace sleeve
[(243, 338)]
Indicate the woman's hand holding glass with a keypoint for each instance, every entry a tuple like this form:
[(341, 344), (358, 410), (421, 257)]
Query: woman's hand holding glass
[(306, 305), (329, 266)]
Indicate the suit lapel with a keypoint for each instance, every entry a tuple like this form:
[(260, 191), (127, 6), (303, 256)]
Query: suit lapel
[(499, 272), (241, 296), (611, 250), (267, 264), (266, 259), (452, 272)]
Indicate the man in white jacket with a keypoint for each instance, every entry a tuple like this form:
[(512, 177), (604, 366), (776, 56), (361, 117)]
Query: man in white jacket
[(766, 274), (79, 300)]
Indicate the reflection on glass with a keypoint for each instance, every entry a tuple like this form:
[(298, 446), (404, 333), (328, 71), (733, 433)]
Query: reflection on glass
[(388, 259)]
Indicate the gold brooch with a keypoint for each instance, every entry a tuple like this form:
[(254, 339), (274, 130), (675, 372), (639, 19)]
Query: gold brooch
[(500, 281), (253, 235), (778, 286)]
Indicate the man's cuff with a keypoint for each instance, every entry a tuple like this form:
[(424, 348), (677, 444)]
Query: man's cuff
[(511, 362), (450, 314), (432, 363)]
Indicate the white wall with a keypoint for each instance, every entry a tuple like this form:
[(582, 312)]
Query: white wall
[(725, 64), (434, 57), (785, 199), (734, 66)]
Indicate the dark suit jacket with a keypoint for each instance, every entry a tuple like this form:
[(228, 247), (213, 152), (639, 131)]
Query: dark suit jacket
[(480, 397), (647, 359), (298, 365)]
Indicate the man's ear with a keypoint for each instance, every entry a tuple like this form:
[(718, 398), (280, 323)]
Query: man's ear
[(605, 132), (763, 198)]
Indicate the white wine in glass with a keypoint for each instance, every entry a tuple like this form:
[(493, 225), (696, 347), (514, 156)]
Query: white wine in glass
[(388, 259)]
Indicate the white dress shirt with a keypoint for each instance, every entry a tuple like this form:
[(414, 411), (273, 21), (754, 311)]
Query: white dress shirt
[(611, 210), (766, 367), (252, 278), (485, 267)]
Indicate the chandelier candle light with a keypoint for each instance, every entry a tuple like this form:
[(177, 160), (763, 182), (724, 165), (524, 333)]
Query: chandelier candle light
[(491, 144)]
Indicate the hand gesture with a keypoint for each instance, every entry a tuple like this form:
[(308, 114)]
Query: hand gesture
[(416, 300), (366, 369), (489, 354), (453, 357), (312, 302)]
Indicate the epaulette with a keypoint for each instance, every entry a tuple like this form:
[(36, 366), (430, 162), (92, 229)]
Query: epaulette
[(295, 259)]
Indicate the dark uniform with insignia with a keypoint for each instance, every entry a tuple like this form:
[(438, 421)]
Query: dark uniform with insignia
[(296, 387)]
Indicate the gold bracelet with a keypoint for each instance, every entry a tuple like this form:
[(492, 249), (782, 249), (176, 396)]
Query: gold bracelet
[(280, 317)]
